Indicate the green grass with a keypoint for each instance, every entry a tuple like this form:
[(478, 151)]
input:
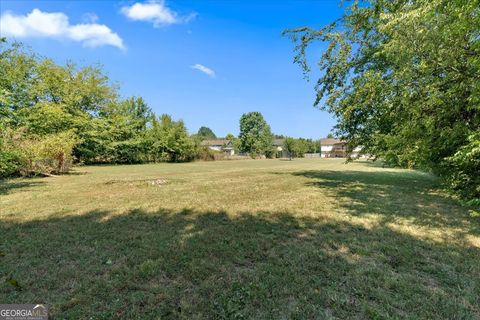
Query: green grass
[(264, 239)]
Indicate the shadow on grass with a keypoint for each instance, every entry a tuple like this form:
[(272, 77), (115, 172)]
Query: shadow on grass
[(188, 264), (7, 186), (373, 163), (410, 195), (75, 172)]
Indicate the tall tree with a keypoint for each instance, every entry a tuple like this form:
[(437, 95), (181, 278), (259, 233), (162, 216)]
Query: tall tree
[(49, 111), (255, 135), (205, 133), (402, 78), (121, 131), (289, 146), (170, 140)]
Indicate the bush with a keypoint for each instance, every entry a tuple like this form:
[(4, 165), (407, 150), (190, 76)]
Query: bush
[(27, 156), (8, 163), (463, 171), (205, 153), (9, 152)]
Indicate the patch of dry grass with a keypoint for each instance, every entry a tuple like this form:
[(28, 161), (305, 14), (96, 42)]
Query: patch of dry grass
[(309, 238)]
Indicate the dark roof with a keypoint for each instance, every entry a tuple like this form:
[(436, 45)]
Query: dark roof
[(328, 141), (217, 142)]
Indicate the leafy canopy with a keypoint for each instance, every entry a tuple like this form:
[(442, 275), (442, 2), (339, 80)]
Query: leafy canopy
[(205, 133), (51, 115), (403, 79), (255, 135)]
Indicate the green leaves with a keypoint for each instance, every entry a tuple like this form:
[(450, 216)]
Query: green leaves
[(255, 135), (55, 114), (296, 148), (464, 168), (168, 140), (205, 133), (402, 78)]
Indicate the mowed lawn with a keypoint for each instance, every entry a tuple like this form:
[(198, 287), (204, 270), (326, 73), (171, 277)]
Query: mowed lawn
[(255, 239)]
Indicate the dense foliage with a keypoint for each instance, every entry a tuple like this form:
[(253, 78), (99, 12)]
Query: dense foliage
[(296, 148), (403, 79), (169, 141), (255, 136), (465, 166), (52, 114), (205, 133), (289, 146)]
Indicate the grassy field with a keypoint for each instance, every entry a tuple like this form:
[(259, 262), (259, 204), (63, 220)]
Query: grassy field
[(262, 239)]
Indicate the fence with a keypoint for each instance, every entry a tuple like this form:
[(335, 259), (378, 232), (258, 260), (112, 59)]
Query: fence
[(311, 155)]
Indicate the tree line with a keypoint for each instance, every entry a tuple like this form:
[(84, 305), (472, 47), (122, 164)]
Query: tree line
[(403, 79), (256, 139), (52, 115)]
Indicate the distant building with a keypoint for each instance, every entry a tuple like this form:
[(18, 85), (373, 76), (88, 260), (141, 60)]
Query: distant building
[(336, 148), (278, 145), (333, 148), (220, 145)]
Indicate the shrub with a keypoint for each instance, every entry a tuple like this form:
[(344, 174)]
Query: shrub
[(9, 151), (36, 155), (205, 153), (8, 163), (463, 175)]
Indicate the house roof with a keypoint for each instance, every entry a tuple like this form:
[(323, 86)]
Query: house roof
[(278, 142), (217, 142), (328, 141)]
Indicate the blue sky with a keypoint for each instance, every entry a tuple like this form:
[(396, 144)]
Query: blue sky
[(150, 49)]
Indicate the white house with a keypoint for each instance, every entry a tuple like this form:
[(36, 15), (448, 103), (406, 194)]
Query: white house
[(220, 145), (336, 148), (333, 148), (278, 145)]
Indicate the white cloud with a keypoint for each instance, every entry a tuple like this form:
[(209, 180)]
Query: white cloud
[(154, 11), (56, 25), (206, 70)]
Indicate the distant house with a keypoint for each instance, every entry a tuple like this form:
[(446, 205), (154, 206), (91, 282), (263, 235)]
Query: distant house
[(278, 145), (333, 148), (336, 148), (220, 145)]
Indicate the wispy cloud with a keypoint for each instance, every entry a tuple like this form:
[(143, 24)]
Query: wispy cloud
[(89, 17), (56, 25), (155, 12), (209, 72)]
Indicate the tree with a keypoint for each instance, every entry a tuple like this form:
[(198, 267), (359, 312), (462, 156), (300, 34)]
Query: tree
[(51, 115), (235, 141), (255, 135), (312, 146), (330, 136), (289, 146), (300, 147), (121, 132), (205, 133), (17, 77), (465, 166), (230, 137), (402, 78), (169, 140)]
